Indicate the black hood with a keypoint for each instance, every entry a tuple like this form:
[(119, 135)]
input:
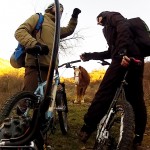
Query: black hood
[(103, 15)]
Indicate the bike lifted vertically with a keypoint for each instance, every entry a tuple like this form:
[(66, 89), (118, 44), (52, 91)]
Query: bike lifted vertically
[(33, 138)]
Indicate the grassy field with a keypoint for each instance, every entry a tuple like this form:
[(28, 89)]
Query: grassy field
[(11, 83), (75, 121)]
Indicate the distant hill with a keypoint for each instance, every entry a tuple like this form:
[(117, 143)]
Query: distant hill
[(6, 68), (4, 63)]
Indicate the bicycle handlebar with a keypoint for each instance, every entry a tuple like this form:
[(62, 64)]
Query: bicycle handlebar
[(132, 60), (104, 62), (68, 64)]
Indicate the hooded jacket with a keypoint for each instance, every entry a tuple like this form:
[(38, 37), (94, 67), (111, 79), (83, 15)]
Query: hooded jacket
[(118, 36), (45, 36)]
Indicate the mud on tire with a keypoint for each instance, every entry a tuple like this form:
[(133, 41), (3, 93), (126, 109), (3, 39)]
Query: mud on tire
[(14, 127)]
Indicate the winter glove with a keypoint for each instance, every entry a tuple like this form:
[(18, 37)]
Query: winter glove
[(76, 12), (38, 49), (85, 56)]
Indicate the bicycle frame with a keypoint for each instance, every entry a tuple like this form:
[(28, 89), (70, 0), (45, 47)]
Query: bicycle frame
[(40, 94), (49, 113), (122, 109)]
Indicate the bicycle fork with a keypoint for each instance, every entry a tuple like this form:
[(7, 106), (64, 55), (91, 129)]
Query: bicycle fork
[(50, 112), (105, 123), (103, 133)]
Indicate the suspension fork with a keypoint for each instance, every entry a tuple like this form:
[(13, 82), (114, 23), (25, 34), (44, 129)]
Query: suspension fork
[(105, 122)]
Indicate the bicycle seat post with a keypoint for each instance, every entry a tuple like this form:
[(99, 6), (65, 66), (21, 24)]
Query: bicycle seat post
[(38, 68)]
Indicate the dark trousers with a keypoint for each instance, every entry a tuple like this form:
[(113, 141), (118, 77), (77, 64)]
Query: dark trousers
[(31, 78), (106, 92)]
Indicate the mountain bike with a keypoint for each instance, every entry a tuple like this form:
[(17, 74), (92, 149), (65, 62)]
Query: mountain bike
[(116, 129), (29, 130), (32, 100)]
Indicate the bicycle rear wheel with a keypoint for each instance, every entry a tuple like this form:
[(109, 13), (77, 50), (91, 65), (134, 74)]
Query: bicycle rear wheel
[(120, 130), (62, 109)]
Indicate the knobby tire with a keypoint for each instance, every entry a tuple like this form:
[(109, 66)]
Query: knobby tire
[(121, 129), (61, 102), (12, 124)]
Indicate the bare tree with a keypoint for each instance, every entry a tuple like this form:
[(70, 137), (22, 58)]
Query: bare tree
[(68, 44)]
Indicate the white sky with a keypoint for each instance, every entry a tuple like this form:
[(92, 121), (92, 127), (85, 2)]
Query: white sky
[(15, 12)]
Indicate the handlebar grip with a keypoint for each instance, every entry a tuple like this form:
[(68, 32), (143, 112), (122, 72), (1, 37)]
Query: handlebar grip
[(136, 61), (33, 50)]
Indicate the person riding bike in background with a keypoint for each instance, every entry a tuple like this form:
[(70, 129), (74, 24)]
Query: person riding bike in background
[(121, 47), (44, 39)]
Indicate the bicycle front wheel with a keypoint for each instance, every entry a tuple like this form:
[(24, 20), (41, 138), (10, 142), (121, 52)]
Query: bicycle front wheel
[(62, 110), (15, 122), (120, 130)]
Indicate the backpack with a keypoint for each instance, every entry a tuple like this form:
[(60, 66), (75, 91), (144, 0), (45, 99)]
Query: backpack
[(17, 59), (141, 35)]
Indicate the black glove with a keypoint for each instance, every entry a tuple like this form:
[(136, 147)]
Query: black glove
[(85, 56), (38, 49), (76, 12), (43, 49)]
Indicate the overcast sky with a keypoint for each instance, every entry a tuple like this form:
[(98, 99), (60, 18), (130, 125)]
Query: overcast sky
[(15, 12)]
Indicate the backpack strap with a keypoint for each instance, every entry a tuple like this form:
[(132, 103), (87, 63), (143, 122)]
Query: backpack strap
[(39, 24), (40, 21)]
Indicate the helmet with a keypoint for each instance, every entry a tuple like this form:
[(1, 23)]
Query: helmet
[(52, 5)]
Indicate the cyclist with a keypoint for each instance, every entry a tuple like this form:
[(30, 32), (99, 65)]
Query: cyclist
[(121, 47), (44, 38)]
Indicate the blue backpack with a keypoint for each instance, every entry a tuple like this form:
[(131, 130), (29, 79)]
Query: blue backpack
[(17, 59)]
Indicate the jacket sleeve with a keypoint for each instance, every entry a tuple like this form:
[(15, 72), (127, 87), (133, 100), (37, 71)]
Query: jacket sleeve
[(24, 32), (124, 35), (99, 55), (69, 29)]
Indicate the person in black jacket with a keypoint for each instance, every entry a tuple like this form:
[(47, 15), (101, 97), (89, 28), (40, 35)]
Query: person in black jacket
[(121, 47)]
